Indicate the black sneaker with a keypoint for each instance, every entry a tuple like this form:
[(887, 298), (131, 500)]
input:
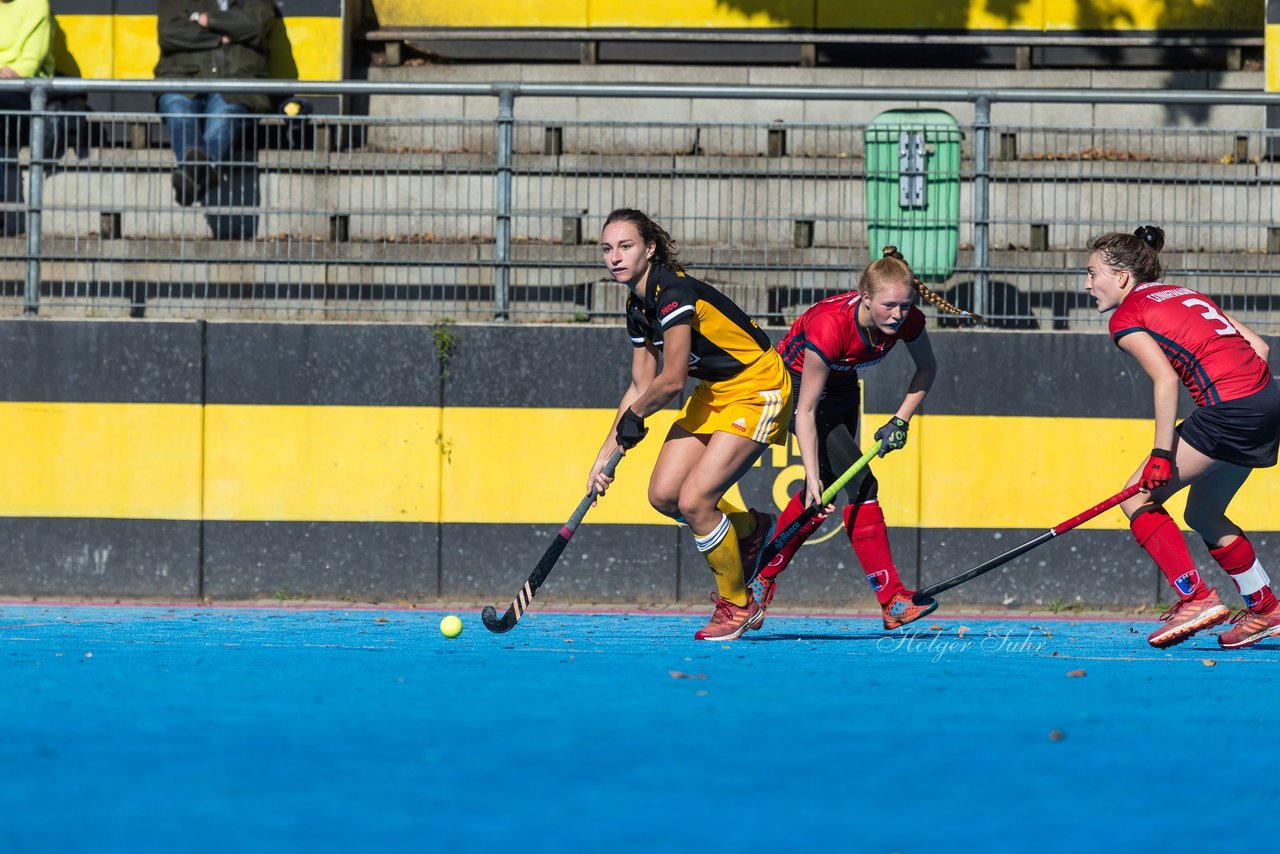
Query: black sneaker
[(191, 178)]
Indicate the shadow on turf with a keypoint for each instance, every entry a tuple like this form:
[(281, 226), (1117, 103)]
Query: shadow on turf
[(1270, 647)]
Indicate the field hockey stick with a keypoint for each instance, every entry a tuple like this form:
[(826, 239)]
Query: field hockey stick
[(923, 596), (525, 595), (787, 534)]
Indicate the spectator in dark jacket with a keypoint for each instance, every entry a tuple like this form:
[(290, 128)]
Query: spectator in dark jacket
[(202, 40)]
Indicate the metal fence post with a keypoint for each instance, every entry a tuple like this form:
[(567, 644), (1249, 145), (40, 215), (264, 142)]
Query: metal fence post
[(981, 200), (502, 234), (35, 199)]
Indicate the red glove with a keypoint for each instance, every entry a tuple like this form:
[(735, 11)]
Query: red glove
[(1158, 470)]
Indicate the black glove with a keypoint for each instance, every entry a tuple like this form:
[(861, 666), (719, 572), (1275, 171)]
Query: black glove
[(1158, 470), (892, 436), (631, 430)]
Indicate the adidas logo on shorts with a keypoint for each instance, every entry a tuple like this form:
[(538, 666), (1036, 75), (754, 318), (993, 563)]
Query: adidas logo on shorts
[(740, 425)]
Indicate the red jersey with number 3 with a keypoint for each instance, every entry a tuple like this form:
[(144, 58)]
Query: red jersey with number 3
[(830, 330), (1213, 359)]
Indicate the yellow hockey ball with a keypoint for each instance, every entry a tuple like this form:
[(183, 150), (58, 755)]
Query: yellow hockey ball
[(451, 626)]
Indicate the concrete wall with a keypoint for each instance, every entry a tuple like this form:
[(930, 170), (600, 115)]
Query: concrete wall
[(714, 111), (396, 462)]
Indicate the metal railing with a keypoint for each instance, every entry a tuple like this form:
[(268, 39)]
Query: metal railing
[(418, 214)]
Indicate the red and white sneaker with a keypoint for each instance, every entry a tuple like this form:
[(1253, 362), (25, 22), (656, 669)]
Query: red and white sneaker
[(729, 621), (901, 609), (762, 590), (1248, 628), (1184, 619)]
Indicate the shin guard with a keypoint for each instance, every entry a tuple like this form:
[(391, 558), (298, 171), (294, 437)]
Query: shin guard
[(789, 514), (870, 540), (744, 524), (1238, 559), (1158, 534), (720, 551)]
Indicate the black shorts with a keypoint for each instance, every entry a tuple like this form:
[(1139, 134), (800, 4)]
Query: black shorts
[(1243, 432), (837, 422)]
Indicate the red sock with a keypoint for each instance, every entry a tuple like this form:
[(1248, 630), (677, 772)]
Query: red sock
[(1157, 533), (870, 540), (1240, 561), (790, 514)]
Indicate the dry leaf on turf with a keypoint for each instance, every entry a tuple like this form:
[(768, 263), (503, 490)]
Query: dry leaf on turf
[(677, 674), (1074, 673)]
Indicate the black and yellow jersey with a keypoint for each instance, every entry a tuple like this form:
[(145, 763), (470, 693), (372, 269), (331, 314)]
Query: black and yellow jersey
[(725, 339)]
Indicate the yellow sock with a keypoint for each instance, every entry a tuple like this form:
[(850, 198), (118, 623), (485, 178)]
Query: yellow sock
[(720, 550), (744, 524)]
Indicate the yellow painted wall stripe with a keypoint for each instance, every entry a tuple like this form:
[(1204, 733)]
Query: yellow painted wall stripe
[(484, 13), (702, 13), (316, 45), (126, 47), (135, 47), (100, 460), (322, 463), (1032, 15), (85, 46), (1272, 57), (525, 466)]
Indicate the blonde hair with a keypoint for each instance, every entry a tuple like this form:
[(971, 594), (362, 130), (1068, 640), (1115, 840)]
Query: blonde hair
[(892, 267)]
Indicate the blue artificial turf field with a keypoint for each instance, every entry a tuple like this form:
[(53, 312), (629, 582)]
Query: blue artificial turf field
[(203, 729)]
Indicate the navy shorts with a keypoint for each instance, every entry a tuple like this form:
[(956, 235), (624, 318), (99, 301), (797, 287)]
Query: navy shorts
[(1244, 432)]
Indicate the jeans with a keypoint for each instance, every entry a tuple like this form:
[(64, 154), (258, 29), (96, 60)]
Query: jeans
[(206, 122)]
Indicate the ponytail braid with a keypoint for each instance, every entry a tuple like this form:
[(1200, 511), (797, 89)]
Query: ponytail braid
[(892, 265)]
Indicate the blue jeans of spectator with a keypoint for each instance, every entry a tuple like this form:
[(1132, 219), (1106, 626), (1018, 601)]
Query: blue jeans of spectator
[(207, 122), (13, 102)]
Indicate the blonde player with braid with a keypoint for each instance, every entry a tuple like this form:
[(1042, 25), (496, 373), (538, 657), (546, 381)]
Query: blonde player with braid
[(823, 351)]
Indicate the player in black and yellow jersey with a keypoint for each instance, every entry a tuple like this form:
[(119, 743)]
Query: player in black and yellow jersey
[(680, 328)]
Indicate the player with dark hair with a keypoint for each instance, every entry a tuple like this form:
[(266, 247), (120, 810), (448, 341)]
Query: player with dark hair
[(679, 328), (823, 351), (1178, 334)]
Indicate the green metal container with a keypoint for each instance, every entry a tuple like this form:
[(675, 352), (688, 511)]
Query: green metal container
[(913, 188)]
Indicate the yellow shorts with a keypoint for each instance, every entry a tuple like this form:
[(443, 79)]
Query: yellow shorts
[(755, 403)]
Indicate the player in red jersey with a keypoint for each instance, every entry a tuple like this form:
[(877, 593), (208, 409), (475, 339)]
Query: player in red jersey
[(823, 351), (1178, 334)]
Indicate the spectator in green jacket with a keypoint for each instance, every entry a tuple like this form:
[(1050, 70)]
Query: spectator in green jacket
[(25, 30), (210, 40)]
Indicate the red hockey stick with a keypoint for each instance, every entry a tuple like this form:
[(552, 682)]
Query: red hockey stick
[(921, 597)]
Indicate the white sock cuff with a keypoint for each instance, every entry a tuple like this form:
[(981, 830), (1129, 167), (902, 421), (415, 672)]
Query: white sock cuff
[(710, 541), (1251, 580)]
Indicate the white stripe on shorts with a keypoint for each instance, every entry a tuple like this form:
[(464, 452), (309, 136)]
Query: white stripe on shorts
[(772, 406)]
